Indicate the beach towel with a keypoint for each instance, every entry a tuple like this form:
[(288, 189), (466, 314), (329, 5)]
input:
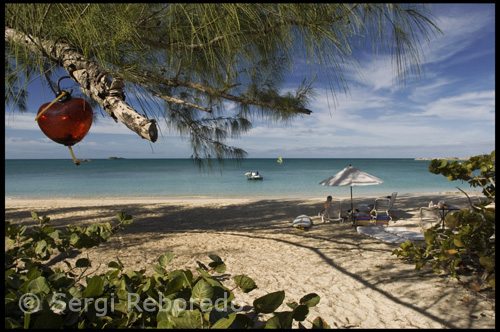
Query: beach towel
[(363, 220), (379, 232), (405, 233), (382, 220)]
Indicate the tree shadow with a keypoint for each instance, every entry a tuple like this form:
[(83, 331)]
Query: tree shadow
[(253, 220)]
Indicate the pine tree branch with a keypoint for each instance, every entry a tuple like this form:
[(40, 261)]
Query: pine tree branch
[(214, 92), (179, 101), (93, 80), (257, 32), (172, 82)]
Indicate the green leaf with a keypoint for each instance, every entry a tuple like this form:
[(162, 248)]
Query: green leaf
[(41, 246), (225, 322), (34, 215), (310, 300), (186, 322), (74, 238), (165, 324), (419, 265), (269, 303), (242, 322), (491, 281), (488, 263), (218, 267), (452, 220), (165, 259), (245, 283), (39, 285), (174, 285), (215, 258), (282, 320), (47, 229), (124, 218), (95, 287), (319, 323), (12, 324), (458, 242), (202, 290), (158, 269), (55, 234), (33, 273), (202, 266), (300, 312), (115, 265)]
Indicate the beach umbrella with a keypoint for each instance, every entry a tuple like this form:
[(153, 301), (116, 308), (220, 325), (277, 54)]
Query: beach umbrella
[(351, 176)]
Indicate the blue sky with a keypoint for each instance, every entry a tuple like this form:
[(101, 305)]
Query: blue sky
[(449, 112)]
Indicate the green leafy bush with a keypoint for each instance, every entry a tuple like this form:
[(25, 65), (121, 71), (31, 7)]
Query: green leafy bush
[(40, 296), (467, 243)]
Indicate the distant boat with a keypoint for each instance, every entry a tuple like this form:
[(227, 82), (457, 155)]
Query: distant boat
[(253, 176), (280, 160)]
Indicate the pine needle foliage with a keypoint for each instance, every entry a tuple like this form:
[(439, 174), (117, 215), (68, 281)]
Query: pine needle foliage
[(208, 69)]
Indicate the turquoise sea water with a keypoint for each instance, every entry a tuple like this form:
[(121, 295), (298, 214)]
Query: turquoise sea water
[(180, 178)]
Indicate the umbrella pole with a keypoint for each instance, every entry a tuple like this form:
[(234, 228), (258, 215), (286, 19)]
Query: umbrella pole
[(352, 207)]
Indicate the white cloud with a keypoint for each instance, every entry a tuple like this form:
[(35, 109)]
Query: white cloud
[(21, 121), (478, 106), (461, 24)]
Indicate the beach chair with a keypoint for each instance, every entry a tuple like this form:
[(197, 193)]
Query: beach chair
[(392, 200), (428, 215), (333, 212), (381, 207)]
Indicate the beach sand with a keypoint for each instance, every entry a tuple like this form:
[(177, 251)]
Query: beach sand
[(360, 283)]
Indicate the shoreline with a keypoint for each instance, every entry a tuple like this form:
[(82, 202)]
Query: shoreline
[(345, 196), (360, 282)]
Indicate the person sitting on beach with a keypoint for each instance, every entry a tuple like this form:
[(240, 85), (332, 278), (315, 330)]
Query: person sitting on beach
[(324, 213)]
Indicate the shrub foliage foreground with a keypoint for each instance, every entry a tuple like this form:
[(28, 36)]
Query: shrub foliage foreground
[(38, 295), (467, 244)]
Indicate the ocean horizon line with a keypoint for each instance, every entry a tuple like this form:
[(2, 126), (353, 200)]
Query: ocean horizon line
[(252, 158)]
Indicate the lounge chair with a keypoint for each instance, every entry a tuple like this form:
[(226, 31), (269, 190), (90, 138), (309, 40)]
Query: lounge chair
[(383, 206), (428, 215), (393, 199), (333, 212)]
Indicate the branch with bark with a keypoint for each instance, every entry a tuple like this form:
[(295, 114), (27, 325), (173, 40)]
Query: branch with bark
[(108, 91), (94, 82)]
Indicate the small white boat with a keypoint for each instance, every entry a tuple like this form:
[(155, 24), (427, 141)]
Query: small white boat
[(253, 176), (302, 222)]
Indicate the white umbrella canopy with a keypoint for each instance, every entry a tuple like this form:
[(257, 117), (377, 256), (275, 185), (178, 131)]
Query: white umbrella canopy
[(351, 176)]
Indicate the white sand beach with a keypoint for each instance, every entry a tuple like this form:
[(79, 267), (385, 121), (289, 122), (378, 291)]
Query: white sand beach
[(360, 283)]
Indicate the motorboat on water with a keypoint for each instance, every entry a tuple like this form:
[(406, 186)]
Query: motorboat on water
[(253, 176)]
